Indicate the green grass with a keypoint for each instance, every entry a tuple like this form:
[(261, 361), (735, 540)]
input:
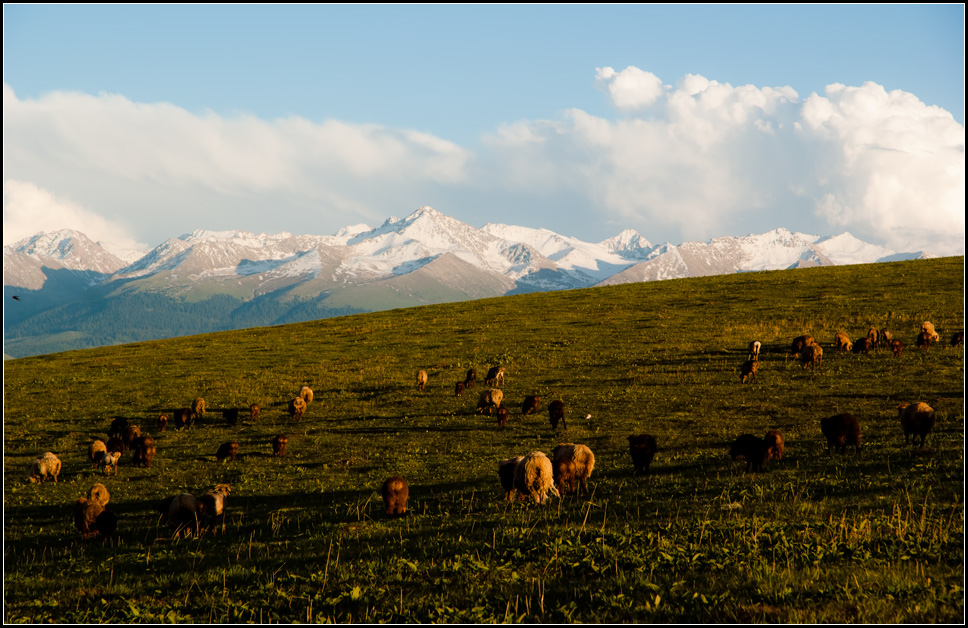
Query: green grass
[(816, 538)]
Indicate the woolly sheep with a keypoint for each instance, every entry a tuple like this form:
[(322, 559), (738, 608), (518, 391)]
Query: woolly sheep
[(489, 398), (584, 461), (556, 413), (530, 404), (774, 442), (642, 448), (421, 380), (749, 370), (183, 417), (95, 448), (800, 342), (117, 428), (99, 493), (533, 477), (227, 450), (916, 420), (254, 411), (86, 512), (213, 502), (297, 408), (471, 380), (395, 492), (45, 467), (131, 433), (886, 337), (924, 340), (564, 472), (811, 356), (842, 342), (502, 416), (279, 445), (506, 471), (958, 339), (458, 389), (754, 350), (307, 394), (874, 336), (198, 407), (182, 513), (162, 423), (231, 416), (897, 346), (840, 431), (751, 448), (143, 451), (108, 461), (495, 376), (863, 345), (928, 328)]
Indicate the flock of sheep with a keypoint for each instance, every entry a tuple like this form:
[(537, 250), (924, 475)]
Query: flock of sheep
[(527, 477)]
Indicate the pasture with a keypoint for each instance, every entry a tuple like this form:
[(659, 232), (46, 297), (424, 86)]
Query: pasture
[(817, 537)]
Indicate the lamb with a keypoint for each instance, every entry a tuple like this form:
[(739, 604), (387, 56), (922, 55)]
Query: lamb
[(863, 345), (754, 351), (928, 328), (254, 411), (143, 451), (231, 416), (842, 342), (556, 412), (183, 417), (502, 416), (471, 380), (489, 398), (198, 408), (583, 458), (749, 370), (506, 471), (421, 380), (99, 493), (916, 420), (533, 477), (800, 342), (108, 461), (307, 394), (162, 423), (212, 503), (86, 512), (642, 448), (811, 355), (44, 468), (751, 448), (95, 448), (395, 492), (279, 445), (297, 408), (774, 442), (227, 450), (494, 376), (958, 339), (530, 404), (897, 346), (924, 340), (841, 430), (182, 513), (459, 389)]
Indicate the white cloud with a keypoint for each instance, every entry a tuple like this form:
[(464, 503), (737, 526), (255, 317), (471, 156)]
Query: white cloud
[(631, 88)]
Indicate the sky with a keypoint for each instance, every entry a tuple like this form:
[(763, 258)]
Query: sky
[(139, 123)]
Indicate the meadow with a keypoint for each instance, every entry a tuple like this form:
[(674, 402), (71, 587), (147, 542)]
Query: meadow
[(817, 537)]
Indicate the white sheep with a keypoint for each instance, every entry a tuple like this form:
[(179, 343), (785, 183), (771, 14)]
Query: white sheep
[(108, 461), (583, 458), (45, 467), (533, 477), (489, 398), (754, 353), (307, 394)]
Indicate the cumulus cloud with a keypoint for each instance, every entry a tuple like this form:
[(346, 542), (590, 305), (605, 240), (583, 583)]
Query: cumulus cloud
[(631, 88)]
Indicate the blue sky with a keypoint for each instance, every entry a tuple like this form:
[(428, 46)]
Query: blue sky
[(682, 122)]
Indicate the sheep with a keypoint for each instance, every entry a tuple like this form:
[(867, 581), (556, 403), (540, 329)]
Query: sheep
[(874, 336), (458, 389), (841, 430), (530, 404), (115, 444), (533, 477), (421, 380), (489, 398), (556, 412), (754, 350), (916, 420), (118, 426), (928, 328), (502, 416), (143, 451), (774, 441), (800, 342), (212, 503), (863, 345), (897, 346), (182, 513), (95, 448), (642, 448), (162, 423), (886, 338), (958, 339), (183, 417), (227, 450), (99, 493), (279, 445), (307, 394), (108, 460), (842, 342), (254, 411), (106, 523), (751, 448), (564, 471), (924, 340), (86, 512), (494, 376), (395, 492), (749, 370), (231, 416), (506, 471), (198, 408), (811, 355), (44, 468), (583, 458), (131, 433), (470, 381), (297, 408)]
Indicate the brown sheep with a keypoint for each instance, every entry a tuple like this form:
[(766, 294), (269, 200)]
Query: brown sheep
[(459, 389), (421, 380), (395, 492), (874, 336), (924, 340), (254, 411), (533, 477), (556, 413), (842, 342), (162, 423), (198, 408), (897, 346), (183, 417), (800, 342), (505, 471), (99, 493), (297, 408), (143, 451), (108, 460), (117, 428), (583, 458), (471, 380), (863, 345), (131, 433), (840, 431), (812, 356), (502, 417), (754, 350), (182, 512), (928, 328), (564, 474), (116, 444), (93, 451), (307, 394), (958, 339), (916, 420), (530, 404), (495, 376), (749, 370), (774, 442), (279, 445), (489, 398), (227, 450), (85, 516), (212, 503), (751, 448), (642, 448)]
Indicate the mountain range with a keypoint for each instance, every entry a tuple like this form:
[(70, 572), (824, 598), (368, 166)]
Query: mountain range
[(64, 291)]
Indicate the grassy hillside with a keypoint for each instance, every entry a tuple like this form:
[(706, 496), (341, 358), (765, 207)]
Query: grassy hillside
[(875, 537)]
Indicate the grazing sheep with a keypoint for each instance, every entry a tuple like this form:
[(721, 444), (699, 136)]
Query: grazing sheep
[(86, 512), (106, 523), (886, 338), (307, 394), (279, 445), (471, 380), (297, 408), (842, 342), (754, 350), (563, 472), (231, 416), (958, 339), (395, 492), (812, 356), (530, 404), (774, 442), (108, 461), (115, 444), (182, 513), (534, 478), (928, 328), (458, 389), (421, 380), (227, 450), (800, 342), (198, 408), (143, 451), (863, 345), (502, 416), (212, 503), (183, 418), (494, 376), (95, 448), (556, 412), (489, 398), (117, 428), (44, 468), (924, 340), (583, 458), (751, 448), (505, 471), (841, 430), (874, 336), (99, 493), (162, 423), (916, 419), (254, 411), (131, 433), (642, 448), (749, 370), (897, 346)]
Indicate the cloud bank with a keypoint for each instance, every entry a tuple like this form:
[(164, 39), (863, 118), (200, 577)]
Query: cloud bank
[(692, 160)]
